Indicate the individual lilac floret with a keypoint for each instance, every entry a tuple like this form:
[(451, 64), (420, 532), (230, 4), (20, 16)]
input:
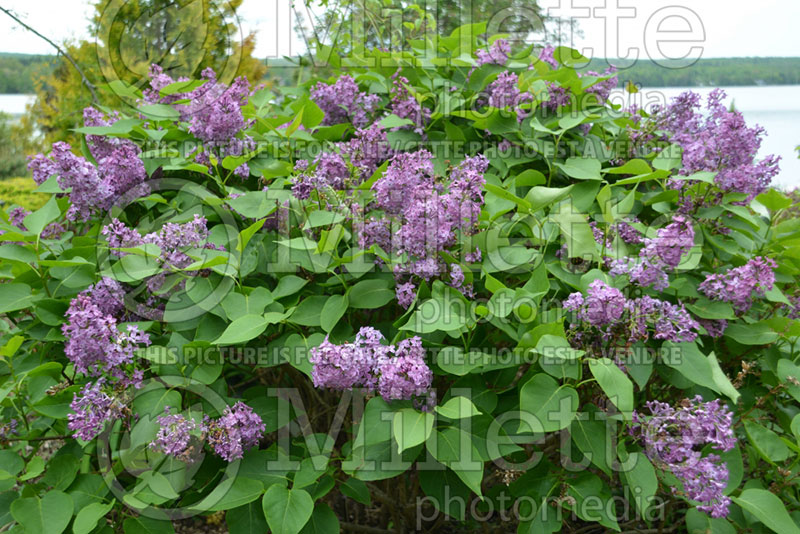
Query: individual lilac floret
[(238, 429), (397, 372), (92, 409), (673, 440), (174, 434), (342, 101), (740, 285), (497, 54)]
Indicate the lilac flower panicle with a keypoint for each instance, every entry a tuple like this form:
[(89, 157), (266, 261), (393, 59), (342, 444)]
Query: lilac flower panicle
[(739, 286), (342, 101), (92, 409), (497, 53), (659, 256), (8, 429), (547, 55), (238, 429), (717, 141), (174, 434), (405, 105), (673, 439), (397, 372), (604, 316)]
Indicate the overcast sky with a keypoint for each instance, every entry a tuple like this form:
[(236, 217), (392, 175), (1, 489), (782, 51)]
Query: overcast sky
[(716, 28)]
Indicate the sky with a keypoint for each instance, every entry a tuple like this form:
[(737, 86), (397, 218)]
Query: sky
[(612, 28)]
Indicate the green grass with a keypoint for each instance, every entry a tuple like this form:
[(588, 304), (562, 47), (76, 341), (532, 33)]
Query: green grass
[(19, 191)]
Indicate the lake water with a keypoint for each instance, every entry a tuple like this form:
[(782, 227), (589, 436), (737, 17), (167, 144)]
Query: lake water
[(776, 108)]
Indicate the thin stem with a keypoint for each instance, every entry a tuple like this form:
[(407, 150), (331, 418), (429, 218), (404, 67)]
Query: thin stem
[(89, 85)]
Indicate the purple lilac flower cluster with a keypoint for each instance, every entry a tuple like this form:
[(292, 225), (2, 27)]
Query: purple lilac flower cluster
[(214, 113), (174, 435), (497, 53), (547, 55), (16, 216), (365, 152), (94, 188), (601, 89), (605, 316), (238, 429), (740, 285), (428, 215), (367, 149), (171, 239), (504, 92), (94, 343), (718, 141), (92, 409), (405, 105), (673, 439), (396, 372), (623, 229), (342, 101), (658, 256)]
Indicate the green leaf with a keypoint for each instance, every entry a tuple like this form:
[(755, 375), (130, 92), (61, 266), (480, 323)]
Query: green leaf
[(242, 329), (767, 443), (393, 121), (410, 428), (253, 205), (634, 166), (88, 517), (288, 285), (160, 112), (247, 519), (370, 294), (445, 314), (287, 511), (333, 310), (229, 494), (323, 521), (615, 383), (307, 312), (581, 168), (14, 297), (687, 359), (541, 197), (37, 221), (357, 490), (642, 480), (454, 448), (751, 334), (576, 232), (546, 405), (457, 408), (247, 234), (147, 525), (768, 509), (48, 515)]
